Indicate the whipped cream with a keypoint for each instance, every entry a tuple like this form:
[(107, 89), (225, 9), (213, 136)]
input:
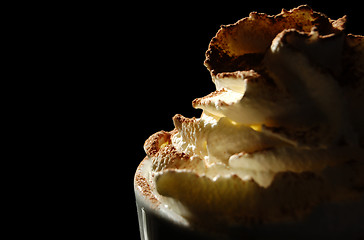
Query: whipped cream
[(282, 133)]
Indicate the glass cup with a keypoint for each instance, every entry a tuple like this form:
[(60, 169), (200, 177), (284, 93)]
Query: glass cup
[(329, 221)]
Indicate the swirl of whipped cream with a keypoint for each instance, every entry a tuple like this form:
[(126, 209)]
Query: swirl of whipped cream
[(283, 131)]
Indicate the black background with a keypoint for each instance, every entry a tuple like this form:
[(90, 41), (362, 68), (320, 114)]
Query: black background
[(165, 51)]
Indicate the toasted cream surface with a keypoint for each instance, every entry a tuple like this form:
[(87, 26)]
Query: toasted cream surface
[(284, 118)]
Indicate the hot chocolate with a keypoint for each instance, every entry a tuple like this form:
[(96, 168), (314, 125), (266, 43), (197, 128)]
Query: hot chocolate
[(278, 149)]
